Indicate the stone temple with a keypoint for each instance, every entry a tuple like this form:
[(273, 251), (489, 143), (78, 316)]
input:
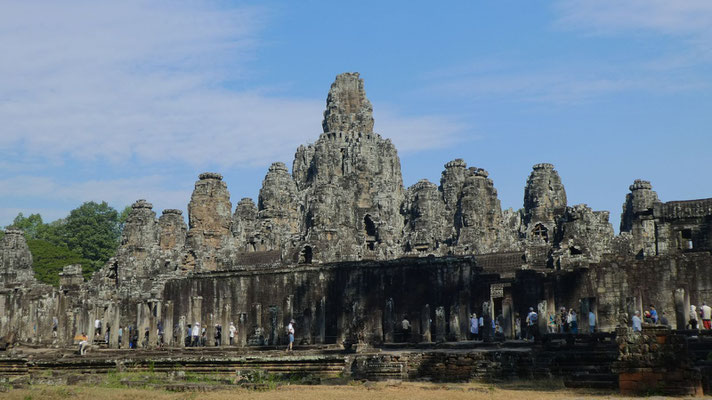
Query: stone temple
[(343, 248)]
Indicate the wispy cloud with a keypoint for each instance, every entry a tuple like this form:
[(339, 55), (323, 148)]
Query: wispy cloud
[(560, 79), (132, 79), (689, 17), (119, 192)]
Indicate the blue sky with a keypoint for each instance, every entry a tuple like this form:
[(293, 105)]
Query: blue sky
[(118, 101)]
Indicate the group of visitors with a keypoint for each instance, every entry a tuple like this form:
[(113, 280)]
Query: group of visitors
[(197, 335), (651, 316), (704, 314)]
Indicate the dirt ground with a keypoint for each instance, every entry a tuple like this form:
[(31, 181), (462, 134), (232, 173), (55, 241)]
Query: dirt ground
[(380, 391)]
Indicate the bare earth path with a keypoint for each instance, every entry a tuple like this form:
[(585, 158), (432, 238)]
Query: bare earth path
[(380, 391)]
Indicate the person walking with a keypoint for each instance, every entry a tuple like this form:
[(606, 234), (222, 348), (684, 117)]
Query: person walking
[(518, 327), (83, 344), (405, 327), (233, 330), (121, 335), (692, 324), (474, 326), (195, 335), (532, 319), (290, 333), (480, 326), (591, 322), (706, 312), (551, 324), (637, 323), (573, 321)]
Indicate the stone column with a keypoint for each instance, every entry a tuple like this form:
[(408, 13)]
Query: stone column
[(682, 308), (321, 324), (507, 315), (196, 312), (440, 324), (543, 318), (454, 323), (425, 323), (389, 322), (181, 328), (168, 323), (154, 308)]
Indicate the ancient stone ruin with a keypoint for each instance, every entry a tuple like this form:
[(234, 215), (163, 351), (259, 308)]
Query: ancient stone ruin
[(343, 248)]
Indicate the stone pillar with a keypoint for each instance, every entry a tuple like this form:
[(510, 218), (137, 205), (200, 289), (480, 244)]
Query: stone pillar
[(454, 323), (507, 316), (154, 307), (389, 322), (226, 319), (115, 325), (181, 329), (682, 308), (425, 323), (322, 320), (168, 323), (242, 329), (440, 324), (543, 318), (196, 311)]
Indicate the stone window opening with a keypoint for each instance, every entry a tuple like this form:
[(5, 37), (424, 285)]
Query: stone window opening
[(686, 239), (541, 232), (306, 255), (371, 232)]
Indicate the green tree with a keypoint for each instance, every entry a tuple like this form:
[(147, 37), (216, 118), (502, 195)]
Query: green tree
[(92, 230), (48, 260), (30, 225), (123, 216)]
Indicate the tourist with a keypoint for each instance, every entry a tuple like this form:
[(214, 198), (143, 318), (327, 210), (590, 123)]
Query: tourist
[(203, 337), (290, 333), (121, 335), (233, 330), (405, 328), (706, 312), (591, 322), (647, 318), (517, 327), (692, 324), (145, 338), (218, 335), (195, 334), (663, 320), (653, 314), (573, 321), (532, 319), (159, 334), (97, 326), (481, 326), (637, 323), (83, 343), (564, 317), (130, 332), (551, 324), (474, 326)]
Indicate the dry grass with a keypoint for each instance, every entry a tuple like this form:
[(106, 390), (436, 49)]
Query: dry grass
[(380, 391)]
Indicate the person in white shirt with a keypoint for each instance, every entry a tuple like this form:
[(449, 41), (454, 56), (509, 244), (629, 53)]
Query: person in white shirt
[(233, 330), (637, 323), (195, 334), (706, 312), (290, 332)]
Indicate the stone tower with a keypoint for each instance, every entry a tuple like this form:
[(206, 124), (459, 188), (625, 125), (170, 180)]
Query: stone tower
[(544, 202), (637, 217), (350, 182), (210, 239), (15, 259)]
